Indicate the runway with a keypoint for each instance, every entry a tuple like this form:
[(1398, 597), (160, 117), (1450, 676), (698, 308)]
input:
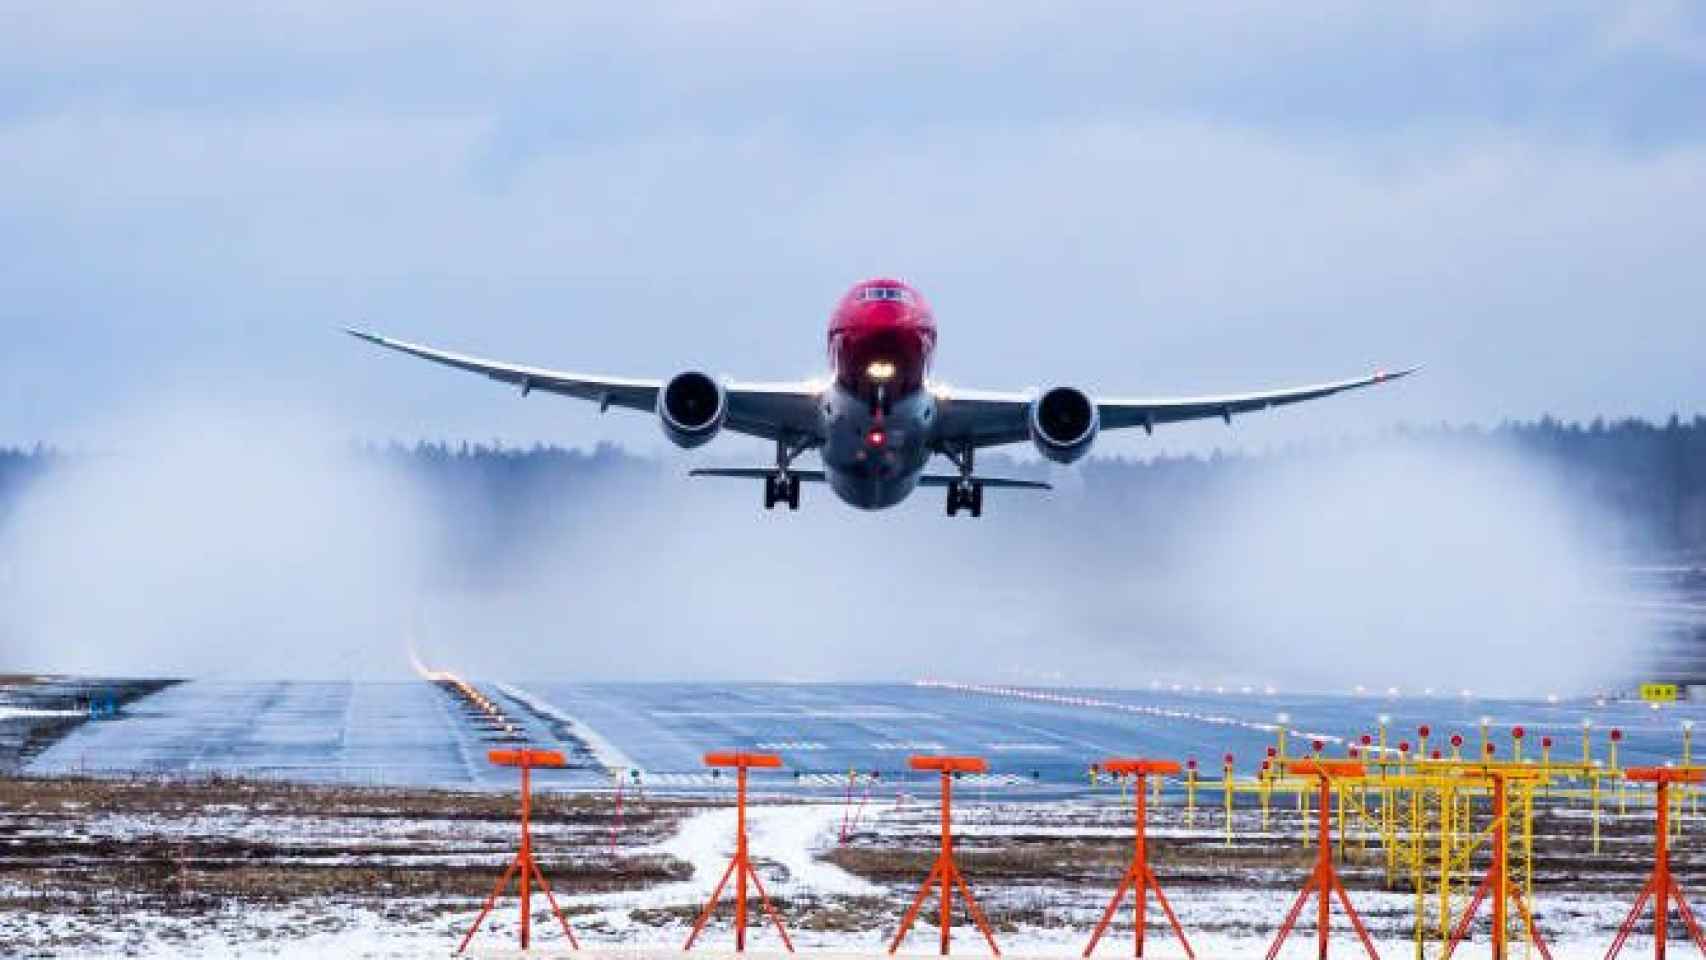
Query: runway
[(1037, 740)]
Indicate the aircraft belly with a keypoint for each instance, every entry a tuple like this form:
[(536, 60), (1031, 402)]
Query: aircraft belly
[(868, 476)]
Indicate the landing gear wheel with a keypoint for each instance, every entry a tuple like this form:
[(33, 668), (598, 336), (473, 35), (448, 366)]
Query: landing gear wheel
[(965, 495), (781, 489)]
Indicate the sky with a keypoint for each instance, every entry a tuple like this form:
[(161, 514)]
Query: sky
[(1131, 198)]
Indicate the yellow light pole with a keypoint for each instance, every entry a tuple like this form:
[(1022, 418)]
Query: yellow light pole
[(1281, 721), (1622, 794), (1191, 791), (1422, 741), (1226, 793), (1485, 723), (1516, 742), (1587, 741)]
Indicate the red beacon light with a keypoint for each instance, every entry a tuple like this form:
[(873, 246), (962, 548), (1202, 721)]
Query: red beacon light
[(1457, 739), (1191, 764), (1367, 740), (1423, 731), (1616, 734), (1546, 742), (1317, 745), (1517, 733), (1437, 755), (1491, 749), (1403, 746), (1273, 751)]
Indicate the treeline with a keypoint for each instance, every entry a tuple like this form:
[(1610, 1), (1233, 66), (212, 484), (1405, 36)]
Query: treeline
[(1651, 478)]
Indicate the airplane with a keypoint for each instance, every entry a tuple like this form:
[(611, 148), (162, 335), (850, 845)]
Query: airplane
[(878, 418)]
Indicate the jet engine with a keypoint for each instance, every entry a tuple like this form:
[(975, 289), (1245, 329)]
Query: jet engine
[(1064, 421), (691, 407)]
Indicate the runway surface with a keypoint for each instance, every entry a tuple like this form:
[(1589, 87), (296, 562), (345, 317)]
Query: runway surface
[(1037, 740)]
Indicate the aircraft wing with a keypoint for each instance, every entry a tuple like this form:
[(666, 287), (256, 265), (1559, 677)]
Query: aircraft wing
[(768, 410), (987, 419)]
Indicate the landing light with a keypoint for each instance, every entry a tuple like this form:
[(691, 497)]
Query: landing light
[(880, 370)]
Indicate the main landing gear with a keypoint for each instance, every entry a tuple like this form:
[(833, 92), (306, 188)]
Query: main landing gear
[(781, 488), (965, 495)]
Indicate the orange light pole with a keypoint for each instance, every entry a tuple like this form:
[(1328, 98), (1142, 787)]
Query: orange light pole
[(1496, 884), (523, 865), (1138, 876), (1324, 880), (945, 871), (740, 865), (1661, 887)]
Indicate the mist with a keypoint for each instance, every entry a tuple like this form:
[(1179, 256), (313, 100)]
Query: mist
[(253, 543)]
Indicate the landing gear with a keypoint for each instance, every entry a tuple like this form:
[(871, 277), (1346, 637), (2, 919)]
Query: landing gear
[(965, 495), (781, 488)]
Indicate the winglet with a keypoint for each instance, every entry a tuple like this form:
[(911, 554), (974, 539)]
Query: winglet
[(1383, 376)]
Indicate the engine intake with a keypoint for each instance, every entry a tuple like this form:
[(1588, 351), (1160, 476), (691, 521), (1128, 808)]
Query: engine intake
[(691, 407), (1064, 422)]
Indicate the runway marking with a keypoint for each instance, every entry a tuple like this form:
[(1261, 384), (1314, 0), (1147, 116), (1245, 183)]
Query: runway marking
[(855, 713), (1022, 747), (917, 746), (1095, 703), (792, 745)]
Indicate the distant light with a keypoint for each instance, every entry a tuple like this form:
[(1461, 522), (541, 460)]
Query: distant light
[(1688, 724), (1384, 719), (881, 371), (1392, 691), (1282, 717), (1551, 698)]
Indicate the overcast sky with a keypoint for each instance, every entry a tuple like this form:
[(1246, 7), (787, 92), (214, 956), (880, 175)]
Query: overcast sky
[(1131, 197)]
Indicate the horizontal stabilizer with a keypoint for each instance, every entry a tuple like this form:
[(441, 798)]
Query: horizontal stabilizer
[(755, 473), (994, 483), (816, 476)]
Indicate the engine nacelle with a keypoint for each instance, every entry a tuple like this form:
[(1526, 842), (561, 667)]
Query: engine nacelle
[(1064, 422), (691, 407)]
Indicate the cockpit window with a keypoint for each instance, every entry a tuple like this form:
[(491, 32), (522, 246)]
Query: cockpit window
[(897, 294)]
